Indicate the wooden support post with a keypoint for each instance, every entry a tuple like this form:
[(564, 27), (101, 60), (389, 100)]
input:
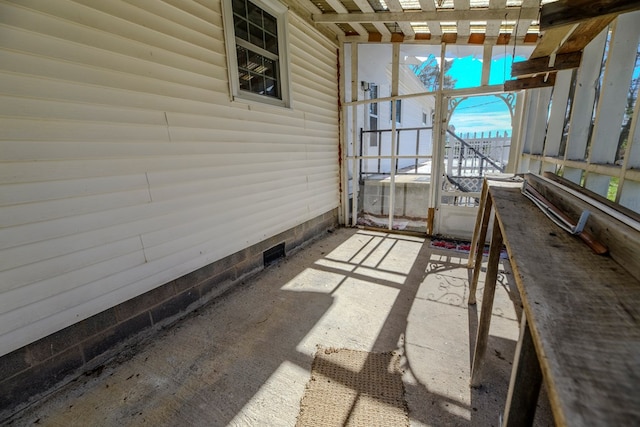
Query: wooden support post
[(487, 303), (482, 236), (476, 227), (526, 379)]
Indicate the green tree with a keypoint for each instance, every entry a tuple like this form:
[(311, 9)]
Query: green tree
[(429, 74), (632, 95)]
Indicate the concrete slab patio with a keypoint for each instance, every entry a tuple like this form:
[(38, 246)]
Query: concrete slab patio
[(245, 358)]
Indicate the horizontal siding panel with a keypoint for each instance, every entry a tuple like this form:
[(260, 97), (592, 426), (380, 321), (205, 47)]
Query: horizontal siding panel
[(47, 210), (42, 248), (17, 172), (314, 101), (27, 129), (206, 10), (305, 60), (75, 53), (27, 151), (324, 52), (52, 190), (138, 15), (127, 21), (80, 33), (308, 85), (37, 109), (46, 67), (254, 209), (301, 31), (62, 90), (250, 171), (61, 268), (114, 223), (234, 120), (103, 272), (176, 15)]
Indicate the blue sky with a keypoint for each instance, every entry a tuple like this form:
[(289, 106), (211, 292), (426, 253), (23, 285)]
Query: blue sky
[(481, 113)]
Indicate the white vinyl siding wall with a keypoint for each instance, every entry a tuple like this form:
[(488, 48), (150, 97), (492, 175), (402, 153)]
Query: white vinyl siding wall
[(123, 163)]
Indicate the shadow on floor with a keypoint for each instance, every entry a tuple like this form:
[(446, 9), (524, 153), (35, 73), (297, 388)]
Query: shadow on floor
[(245, 359)]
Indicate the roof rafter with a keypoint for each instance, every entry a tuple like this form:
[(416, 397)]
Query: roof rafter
[(364, 6), (511, 13), (395, 6), (339, 7)]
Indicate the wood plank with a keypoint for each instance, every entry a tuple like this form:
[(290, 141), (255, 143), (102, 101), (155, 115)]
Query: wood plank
[(542, 65), (485, 211), (621, 239), (487, 305), (530, 83), (564, 12), (584, 34), (525, 382), (550, 40), (584, 315), (615, 206)]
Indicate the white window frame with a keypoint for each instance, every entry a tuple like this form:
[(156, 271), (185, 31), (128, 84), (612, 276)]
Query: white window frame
[(279, 11)]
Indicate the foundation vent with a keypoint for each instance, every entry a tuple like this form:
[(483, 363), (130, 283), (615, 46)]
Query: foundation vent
[(273, 254)]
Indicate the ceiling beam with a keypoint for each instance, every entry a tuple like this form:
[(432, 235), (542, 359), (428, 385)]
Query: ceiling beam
[(565, 12), (405, 27), (510, 14), (565, 61), (339, 7), (366, 7)]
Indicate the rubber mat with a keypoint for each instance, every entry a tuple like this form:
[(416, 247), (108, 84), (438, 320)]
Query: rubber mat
[(354, 388)]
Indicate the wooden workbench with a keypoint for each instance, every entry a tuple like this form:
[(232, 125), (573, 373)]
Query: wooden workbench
[(580, 328)]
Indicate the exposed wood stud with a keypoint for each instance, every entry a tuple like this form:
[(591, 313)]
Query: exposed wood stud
[(530, 83), (542, 65)]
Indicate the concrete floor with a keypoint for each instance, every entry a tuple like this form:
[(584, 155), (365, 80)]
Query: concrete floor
[(245, 359)]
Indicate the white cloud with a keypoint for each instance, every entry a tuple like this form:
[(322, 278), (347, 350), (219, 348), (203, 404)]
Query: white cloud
[(495, 121)]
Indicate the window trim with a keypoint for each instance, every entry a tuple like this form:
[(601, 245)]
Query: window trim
[(280, 12)]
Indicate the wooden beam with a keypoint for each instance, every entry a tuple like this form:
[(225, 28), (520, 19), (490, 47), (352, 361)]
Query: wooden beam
[(585, 32), (550, 40), (565, 12), (565, 61), (530, 83), (509, 14), (570, 38)]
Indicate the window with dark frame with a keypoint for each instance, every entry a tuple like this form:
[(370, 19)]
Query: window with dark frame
[(257, 52)]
